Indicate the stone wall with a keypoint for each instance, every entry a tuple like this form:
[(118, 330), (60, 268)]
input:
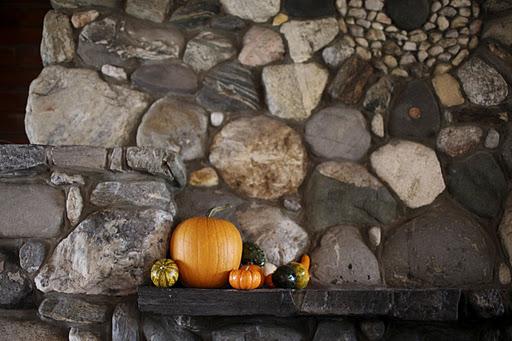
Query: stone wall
[(355, 126)]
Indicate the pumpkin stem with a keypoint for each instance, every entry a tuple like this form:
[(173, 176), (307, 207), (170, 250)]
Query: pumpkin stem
[(305, 261), (218, 209)]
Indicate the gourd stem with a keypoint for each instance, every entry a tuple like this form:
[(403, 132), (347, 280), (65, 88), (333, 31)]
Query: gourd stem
[(218, 209), (305, 261)]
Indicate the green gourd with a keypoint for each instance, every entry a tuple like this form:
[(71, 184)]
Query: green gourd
[(284, 277), (252, 254)]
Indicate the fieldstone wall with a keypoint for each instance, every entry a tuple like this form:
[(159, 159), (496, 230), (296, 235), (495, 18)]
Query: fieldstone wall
[(375, 129)]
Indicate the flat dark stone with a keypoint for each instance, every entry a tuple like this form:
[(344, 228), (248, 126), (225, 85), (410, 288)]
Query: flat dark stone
[(310, 9), (426, 305), (486, 303), (408, 14), (194, 14), (162, 78), (417, 94), (228, 23), (478, 183)]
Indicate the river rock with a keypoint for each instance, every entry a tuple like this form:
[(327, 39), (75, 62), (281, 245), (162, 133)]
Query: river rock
[(261, 46), (350, 80), (208, 49), (306, 37), (282, 239), (443, 247), (492, 140), (448, 90), (137, 193), (164, 328), (378, 96), (228, 23), (411, 170), (309, 9), (257, 11), (424, 121), (81, 19), (72, 310), (204, 177), (259, 157), (74, 205), (14, 157), (154, 10), (374, 330), (30, 210), (408, 14), (71, 106), (242, 95), (31, 330), (294, 90), (65, 4), (125, 323), (482, 83), (499, 28), (171, 121), (15, 285), (195, 14), (114, 72), (456, 141), (343, 258), (162, 78), (335, 54), (95, 260), (478, 183), (346, 193), (57, 44), (338, 132), (32, 255), (76, 334)]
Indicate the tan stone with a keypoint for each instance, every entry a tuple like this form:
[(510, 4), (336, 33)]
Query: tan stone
[(280, 19), (80, 19), (204, 177), (261, 46), (260, 157), (448, 90)]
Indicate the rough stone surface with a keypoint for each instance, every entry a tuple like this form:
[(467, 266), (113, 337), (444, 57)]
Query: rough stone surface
[(478, 183), (229, 87), (162, 78), (346, 193), (443, 247), (74, 205), (208, 49), (499, 29), (487, 303), (85, 157), (81, 19), (294, 90), (204, 177), (30, 210), (84, 3), (154, 10), (259, 157), (30, 330), (161, 328), (482, 83), (411, 170), (20, 157), (282, 239), (125, 323), (32, 255), (172, 122), (114, 72), (257, 11), (344, 259), (378, 96), (76, 334), (72, 310), (71, 106), (195, 14), (263, 331), (261, 46), (335, 54), (373, 330), (338, 132), (97, 260), (306, 37), (14, 284), (335, 330), (137, 193), (448, 90), (350, 80), (426, 119), (57, 44), (456, 141)]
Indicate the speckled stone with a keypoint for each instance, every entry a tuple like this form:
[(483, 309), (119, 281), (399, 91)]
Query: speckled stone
[(456, 141), (57, 44), (208, 49), (257, 11), (448, 90), (349, 83)]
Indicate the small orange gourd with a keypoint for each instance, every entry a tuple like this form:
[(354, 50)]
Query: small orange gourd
[(247, 277), (206, 249)]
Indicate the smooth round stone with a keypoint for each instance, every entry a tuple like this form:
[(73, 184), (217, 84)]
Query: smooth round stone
[(162, 78), (338, 132), (310, 9), (408, 14)]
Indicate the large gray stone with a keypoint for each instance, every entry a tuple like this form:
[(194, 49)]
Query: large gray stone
[(342, 258), (338, 132), (15, 285), (444, 247), (30, 330), (57, 44), (258, 11), (73, 310), (345, 192), (137, 193), (282, 239), (125, 323), (154, 10), (15, 157), (294, 90), (30, 211), (159, 162), (259, 157), (94, 259), (172, 122), (482, 83), (71, 106), (208, 49), (160, 78)]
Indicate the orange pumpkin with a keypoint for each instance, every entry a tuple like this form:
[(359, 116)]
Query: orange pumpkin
[(206, 249), (247, 277)]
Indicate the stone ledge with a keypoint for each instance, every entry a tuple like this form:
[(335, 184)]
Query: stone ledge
[(402, 304)]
